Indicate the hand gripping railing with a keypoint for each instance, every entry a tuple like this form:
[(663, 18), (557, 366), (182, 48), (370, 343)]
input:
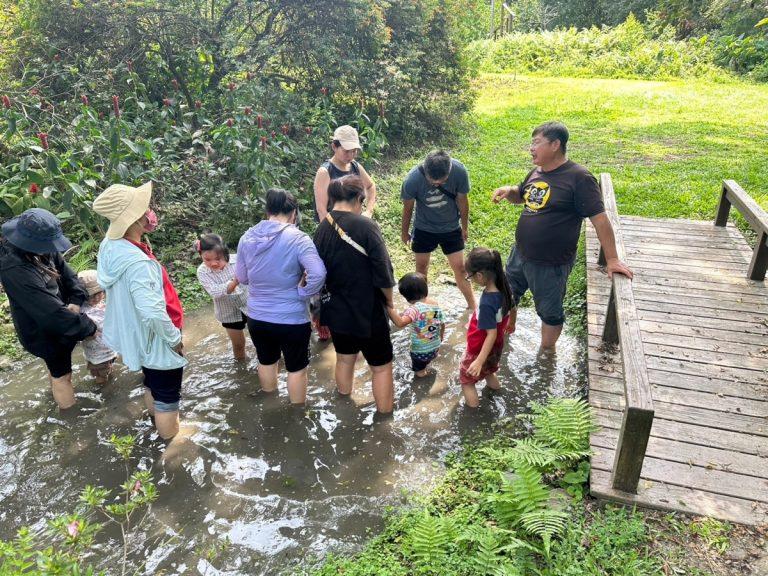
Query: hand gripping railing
[(733, 194), (622, 327)]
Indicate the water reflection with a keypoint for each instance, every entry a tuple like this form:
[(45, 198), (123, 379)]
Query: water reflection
[(276, 481)]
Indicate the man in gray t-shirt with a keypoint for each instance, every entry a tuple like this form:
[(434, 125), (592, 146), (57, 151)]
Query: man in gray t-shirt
[(438, 190)]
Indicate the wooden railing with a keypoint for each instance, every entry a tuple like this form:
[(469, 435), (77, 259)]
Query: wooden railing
[(756, 217), (622, 327)]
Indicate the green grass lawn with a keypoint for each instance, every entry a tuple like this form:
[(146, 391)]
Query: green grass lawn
[(668, 146)]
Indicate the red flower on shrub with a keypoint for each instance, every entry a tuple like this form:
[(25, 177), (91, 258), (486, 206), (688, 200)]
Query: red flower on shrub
[(308, 130), (230, 122), (274, 134), (43, 140), (263, 142), (34, 189), (259, 121), (198, 104), (116, 106), (175, 84), (324, 91), (84, 99), (231, 86), (57, 58), (285, 129), (6, 101), (166, 102), (34, 91), (248, 110)]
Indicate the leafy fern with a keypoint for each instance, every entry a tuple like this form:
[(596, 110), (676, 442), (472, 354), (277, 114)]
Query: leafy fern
[(545, 523), (429, 538), (564, 424)]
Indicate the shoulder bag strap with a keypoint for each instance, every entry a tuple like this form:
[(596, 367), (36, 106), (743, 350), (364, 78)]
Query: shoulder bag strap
[(442, 188), (344, 236)]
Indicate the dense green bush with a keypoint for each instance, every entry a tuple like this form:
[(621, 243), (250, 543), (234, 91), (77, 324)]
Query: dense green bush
[(630, 50)]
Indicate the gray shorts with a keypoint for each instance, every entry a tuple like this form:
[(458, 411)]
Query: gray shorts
[(547, 284)]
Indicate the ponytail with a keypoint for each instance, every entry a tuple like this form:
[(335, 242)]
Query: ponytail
[(502, 285)]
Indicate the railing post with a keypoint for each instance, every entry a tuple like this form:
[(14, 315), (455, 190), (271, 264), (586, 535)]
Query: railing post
[(611, 326), (723, 208), (759, 264), (630, 449)]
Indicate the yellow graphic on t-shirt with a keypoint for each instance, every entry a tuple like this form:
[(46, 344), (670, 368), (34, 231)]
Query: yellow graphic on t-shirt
[(536, 196)]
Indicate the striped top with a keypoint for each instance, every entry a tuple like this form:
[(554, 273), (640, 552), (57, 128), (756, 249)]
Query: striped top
[(226, 307)]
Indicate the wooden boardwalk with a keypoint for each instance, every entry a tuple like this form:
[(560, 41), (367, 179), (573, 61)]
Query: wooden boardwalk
[(703, 327)]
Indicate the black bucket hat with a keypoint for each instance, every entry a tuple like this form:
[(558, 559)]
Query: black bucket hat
[(36, 231)]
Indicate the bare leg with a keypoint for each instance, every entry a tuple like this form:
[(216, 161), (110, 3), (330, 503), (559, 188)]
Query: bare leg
[(345, 373), (149, 402), (237, 337), (512, 321), (422, 263), (297, 386), (471, 399), (383, 387), (63, 392), (549, 336), (492, 382), (456, 260), (167, 424), (268, 377)]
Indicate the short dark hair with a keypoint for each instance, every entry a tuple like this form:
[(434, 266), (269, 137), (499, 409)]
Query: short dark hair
[(437, 164), (213, 242), (553, 131), (413, 286), (280, 201), (345, 189)]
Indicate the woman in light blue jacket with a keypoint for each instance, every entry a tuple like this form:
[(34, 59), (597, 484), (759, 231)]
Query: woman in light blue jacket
[(137, 324)]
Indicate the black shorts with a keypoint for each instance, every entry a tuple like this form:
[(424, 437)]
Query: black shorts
[(424, 242), (377, 350), (165, 385), (290, 340), (236, 325), (59, 360)]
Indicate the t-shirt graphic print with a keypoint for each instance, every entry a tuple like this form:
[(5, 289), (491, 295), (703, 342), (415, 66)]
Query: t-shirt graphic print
[(536, 195)]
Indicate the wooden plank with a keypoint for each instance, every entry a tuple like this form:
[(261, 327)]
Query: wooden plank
[(688, 265), (693, 433), (718, 402), (714, 335), (674, 309), (692, 299), (643, 289), (750, 210), (696, 477), (703, 339), (692, 454), (706, 383), (639, 238), (690, 258), (671, 349), (671, 498), (741, 423), (672, 272), (653, 279), (669, 318)]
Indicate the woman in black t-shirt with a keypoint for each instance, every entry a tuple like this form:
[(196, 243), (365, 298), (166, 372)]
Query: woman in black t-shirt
[(359, 283)]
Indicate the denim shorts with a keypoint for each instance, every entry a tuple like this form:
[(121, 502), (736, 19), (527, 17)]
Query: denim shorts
[(165, 386), (546, 282)]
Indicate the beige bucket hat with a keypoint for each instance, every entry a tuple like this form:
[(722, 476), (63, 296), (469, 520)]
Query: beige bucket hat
[(122, 205), (88, 278), (347, 137)]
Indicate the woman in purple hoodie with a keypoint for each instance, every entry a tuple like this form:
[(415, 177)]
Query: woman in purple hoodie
[(282, 269)]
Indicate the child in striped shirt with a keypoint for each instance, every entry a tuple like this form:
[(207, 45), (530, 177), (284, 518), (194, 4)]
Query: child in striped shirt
[(217, 276), (426, 319)]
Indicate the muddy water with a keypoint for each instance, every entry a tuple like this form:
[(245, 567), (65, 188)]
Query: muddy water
[(259, 483)]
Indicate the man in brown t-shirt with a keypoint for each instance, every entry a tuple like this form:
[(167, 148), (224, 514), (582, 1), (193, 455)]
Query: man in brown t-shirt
[(558, 194)]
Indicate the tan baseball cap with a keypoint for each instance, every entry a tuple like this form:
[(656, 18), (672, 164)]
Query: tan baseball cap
[(347, 137), (88, 278), (122, 205)]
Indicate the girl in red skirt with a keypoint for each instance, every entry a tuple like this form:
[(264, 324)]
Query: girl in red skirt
[(485, 334)]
